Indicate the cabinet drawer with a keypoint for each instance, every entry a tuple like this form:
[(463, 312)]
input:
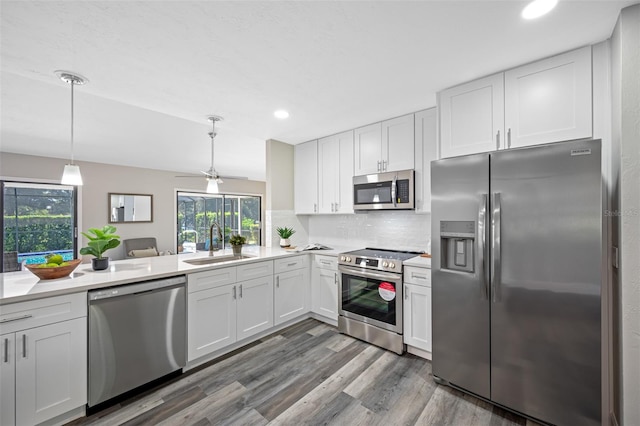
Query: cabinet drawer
[(290, 263), (418, 276), (25, 315), (326, 262), (210, 279), (255, 270)]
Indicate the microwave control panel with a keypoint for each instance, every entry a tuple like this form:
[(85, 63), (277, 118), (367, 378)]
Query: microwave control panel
[(402, 195)]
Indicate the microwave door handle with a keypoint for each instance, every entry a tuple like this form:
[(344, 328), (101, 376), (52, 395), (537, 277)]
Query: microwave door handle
[(394, 189)]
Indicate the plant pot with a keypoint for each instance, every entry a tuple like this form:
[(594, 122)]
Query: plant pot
[(284, 242), (237, 250), (100, 264)]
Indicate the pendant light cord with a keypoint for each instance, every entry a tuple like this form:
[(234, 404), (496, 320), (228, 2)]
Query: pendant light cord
[(72, 84)]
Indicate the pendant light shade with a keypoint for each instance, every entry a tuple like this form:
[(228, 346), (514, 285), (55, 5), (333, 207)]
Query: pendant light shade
[(71, 174)]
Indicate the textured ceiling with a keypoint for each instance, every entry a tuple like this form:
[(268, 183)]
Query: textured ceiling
[(158, 68)]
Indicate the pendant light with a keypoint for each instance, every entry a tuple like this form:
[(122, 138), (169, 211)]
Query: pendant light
[(71, 174)]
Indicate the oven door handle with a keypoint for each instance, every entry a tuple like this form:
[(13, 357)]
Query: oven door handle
[(368, 274)]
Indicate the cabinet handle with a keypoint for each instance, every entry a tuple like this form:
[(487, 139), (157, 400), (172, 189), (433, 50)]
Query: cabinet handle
[(315, 208), (278, 282), (6, 350), (498, 140), (234, 292), (16, 318), (292, 264), (335, 278), (509, 138), (406, 293), (336, 210), (240, 291), (420, 277), (24, 346), (324, 262), (384, 165), (379, 165)]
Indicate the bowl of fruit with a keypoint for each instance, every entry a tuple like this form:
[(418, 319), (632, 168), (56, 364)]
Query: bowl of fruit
[(55, 267)]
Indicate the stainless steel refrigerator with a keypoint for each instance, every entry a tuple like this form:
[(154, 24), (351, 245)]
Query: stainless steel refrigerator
[(517, 241)]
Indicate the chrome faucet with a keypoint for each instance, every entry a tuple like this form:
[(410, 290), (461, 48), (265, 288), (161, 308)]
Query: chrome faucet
[(214, 224)]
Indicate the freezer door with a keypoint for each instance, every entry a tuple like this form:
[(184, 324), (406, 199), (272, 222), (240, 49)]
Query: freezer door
[(545, 315), (459, 188)]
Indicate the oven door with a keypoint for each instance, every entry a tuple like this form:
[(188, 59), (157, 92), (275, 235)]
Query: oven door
[(371, 297)]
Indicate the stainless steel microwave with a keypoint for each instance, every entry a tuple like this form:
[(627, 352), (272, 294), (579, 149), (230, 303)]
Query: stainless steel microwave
[(384, 191)]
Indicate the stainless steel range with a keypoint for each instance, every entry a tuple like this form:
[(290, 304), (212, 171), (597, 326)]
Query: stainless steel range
[(370, 296)]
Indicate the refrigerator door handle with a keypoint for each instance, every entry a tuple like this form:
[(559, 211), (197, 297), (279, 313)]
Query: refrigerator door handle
[(482, 232), (496, 254)]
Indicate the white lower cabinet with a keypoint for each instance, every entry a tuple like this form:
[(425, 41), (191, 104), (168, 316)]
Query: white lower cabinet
[(417, 308), (255, 306), (324, 287), (291, 293), (43, 359), (223, 311)]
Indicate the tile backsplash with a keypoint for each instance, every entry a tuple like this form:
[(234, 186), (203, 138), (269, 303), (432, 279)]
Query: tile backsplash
[(389, 229)]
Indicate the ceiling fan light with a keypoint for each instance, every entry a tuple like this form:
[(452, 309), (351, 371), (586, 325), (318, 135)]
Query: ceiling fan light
[(281, 114), (212, 186), (71, 175)]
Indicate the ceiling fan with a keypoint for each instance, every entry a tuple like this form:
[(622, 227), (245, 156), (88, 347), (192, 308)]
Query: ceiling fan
[(212, 176)]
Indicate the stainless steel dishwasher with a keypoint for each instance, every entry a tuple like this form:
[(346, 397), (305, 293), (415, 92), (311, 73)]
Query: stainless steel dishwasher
[(137, 333)]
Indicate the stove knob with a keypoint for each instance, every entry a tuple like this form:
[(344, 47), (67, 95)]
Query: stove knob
[(342, 258), (392, 265), (385, 264), (348, 259)]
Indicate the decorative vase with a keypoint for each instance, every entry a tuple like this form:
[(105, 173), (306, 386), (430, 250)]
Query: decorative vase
[(284, 242), (100, 264), (237, 250)]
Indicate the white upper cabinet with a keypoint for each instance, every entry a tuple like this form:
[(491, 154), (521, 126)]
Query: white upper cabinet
[(305, 170), (545, 101), (335, 173), (472, 117), (368, 149), (398, 144), (426, 150), (549, 100), (384, 147)]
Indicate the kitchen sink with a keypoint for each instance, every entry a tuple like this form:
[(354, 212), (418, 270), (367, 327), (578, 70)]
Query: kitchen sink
[(217, 259)]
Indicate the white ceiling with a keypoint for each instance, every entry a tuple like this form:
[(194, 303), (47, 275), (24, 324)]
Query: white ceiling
[(158, 68)]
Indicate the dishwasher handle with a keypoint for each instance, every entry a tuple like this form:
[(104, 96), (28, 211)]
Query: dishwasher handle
[(134, 288)]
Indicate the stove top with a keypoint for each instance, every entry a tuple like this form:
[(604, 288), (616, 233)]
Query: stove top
[(378, 259)]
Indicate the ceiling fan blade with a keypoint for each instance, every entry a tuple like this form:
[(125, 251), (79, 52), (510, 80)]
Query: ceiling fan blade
[(233, 177), (189, 176)]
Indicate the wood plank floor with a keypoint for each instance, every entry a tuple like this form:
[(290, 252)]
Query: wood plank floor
[(307, 374)]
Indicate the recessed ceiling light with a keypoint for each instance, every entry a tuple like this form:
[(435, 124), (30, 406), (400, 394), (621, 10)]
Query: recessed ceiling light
[(281, 114), (537, 8)]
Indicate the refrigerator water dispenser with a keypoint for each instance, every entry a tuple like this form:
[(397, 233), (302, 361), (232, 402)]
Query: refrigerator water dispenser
[(457, 241)]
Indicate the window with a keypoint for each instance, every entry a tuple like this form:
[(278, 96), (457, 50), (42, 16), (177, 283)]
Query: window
[(38, 219), (234, 214)]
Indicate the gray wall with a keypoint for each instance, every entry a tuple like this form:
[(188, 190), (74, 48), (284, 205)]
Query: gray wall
[(100, 179)]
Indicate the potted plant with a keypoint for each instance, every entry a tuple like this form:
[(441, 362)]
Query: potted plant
[(100, 240), (285, 233), (236, 242)]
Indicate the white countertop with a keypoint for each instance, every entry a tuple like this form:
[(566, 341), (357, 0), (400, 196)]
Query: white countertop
[(22, 286), (419, 261)]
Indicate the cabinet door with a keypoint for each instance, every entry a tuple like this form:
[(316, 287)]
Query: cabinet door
[(328, 173), (417, 316), (51, 370), (7, 379), (211, 320), (291, 294), (426, 150), (472, 117), (344, 198), (367, 149), (325, 293), (255, 306), (398, 140), (305, 169), (549, 100)]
